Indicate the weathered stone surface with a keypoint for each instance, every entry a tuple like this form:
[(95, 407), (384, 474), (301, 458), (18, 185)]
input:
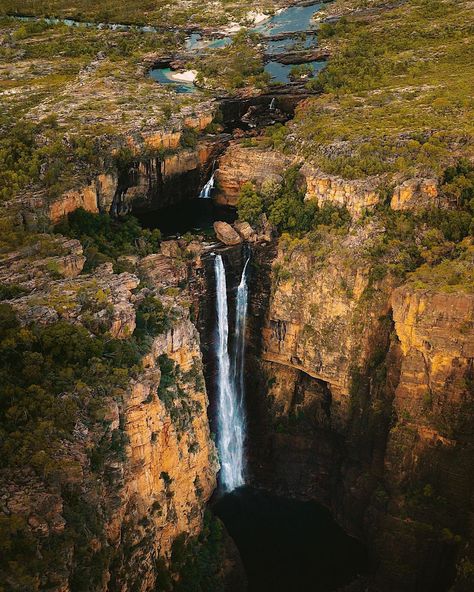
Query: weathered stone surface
[(226, 234), (160, 445), (102, 298), (362, 399), (30, 269), (245, 231), (239, 165), (170, 248), (161, 270), (96, 196), (357, 196), (417, 194), (430, 447), (313, 312)]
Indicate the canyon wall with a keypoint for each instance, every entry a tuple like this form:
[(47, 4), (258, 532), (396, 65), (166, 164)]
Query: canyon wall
[(141, 465), (176, 170), (240, 164), (360, 397)]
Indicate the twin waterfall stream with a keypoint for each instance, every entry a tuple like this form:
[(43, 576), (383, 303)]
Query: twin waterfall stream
[(230, 379)]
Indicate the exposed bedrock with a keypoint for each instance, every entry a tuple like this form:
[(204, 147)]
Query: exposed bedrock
[(360, 396), (240, 164), (174, 172), (299, 57), (141, 467)]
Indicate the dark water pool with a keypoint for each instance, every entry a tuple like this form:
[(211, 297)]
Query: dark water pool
[(192, 215), (288, 545)]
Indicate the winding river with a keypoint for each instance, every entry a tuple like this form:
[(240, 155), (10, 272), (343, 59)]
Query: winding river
[(295, 19)]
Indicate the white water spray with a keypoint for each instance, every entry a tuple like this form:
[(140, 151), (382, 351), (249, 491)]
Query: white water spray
[(272, 104), (208, 187), (241, 306), (230, 381)]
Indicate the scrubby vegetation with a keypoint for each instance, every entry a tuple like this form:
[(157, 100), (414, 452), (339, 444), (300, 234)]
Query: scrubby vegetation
[(36, 154), (431, 248), (106, 239), (53, 377), (196, 562), (235, 66), (68, 94), (285, 206), (397, 93), (148, 13)]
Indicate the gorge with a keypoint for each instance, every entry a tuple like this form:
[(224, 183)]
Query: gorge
[(237, 318)]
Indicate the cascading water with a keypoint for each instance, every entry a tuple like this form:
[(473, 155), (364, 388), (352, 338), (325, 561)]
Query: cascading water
[(272, 104), (230, 380), (239, 343), (208, 187)]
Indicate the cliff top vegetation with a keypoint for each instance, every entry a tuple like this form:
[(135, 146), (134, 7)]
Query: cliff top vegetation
[(160, 13), (397, 93)]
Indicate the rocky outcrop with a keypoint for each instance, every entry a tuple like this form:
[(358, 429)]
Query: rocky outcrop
[(357, 196), (239, 165), (102, 299), (226, 234), (417, 194), (245, 231), (300, 57), (162, 270), (35, 265), (95, 197)]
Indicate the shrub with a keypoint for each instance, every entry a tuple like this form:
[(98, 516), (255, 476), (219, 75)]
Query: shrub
[(249, 205), (151, 317), (106, 238)]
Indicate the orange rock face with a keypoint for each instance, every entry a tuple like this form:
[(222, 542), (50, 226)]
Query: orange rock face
[(239, 165), (416, 194), (365, 402)]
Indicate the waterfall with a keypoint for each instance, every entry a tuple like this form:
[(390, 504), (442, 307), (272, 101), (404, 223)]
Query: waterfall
[(230, 380), (239, 342), (208, 187), (272, 104)]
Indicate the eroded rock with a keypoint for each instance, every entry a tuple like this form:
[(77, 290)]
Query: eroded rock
[(226, 234)]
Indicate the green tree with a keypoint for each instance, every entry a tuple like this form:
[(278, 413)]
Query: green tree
[(250, 204)]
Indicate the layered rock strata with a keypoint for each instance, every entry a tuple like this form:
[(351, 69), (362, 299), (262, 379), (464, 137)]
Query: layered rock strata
[(360, 396)]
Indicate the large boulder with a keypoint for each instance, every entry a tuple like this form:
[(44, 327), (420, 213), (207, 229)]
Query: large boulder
[(245, 230), (226, 234)]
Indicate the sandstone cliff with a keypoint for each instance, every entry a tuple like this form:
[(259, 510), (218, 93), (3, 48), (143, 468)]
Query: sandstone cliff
[(240, 164), (145, 179), (362, 399), (141, 465)]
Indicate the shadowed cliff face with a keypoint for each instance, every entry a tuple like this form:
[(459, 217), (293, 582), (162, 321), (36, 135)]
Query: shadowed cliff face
[(360, 397)]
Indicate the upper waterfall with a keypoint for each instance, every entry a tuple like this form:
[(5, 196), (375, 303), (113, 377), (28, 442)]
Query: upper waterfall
[(208, 187)]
